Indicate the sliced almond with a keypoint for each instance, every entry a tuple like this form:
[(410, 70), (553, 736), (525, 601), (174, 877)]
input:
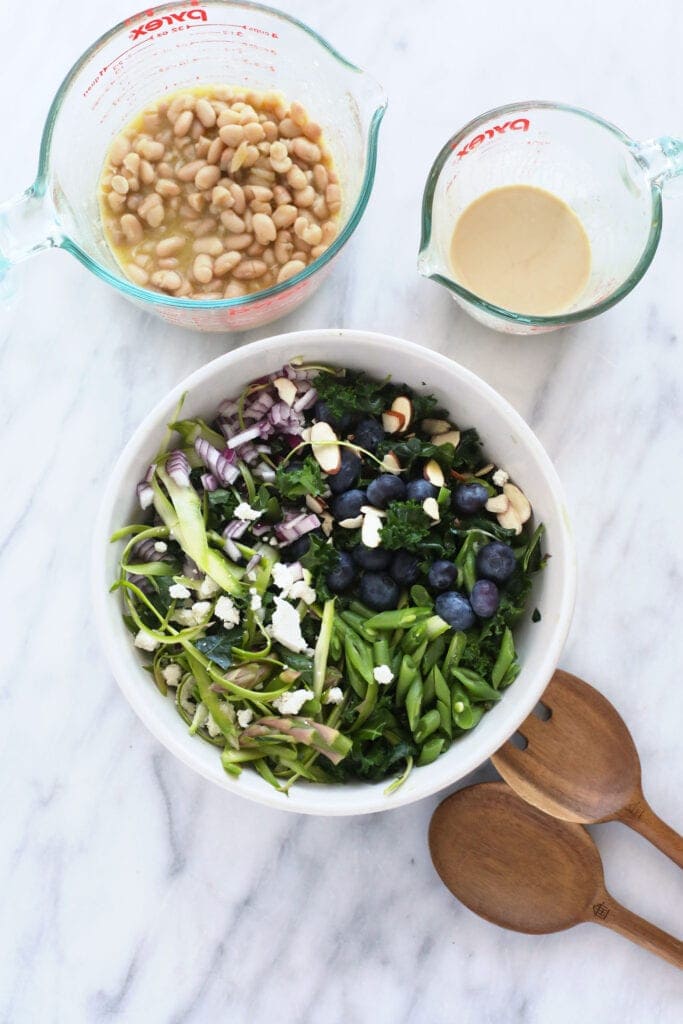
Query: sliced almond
[(390, 463), (327, 524), (452, 437), (306, 434), (392, 421), (510, 520), (372, 527), (518, 501), (351, 524), (326, 451), (433, 473), (374, 511), (431, 507), (484, 469), (404, 407), (435, 426), (286, 389), (315, 504), (497, 504)]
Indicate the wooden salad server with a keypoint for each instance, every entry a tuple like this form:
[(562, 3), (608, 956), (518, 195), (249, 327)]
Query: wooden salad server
[(581, 764), (521, 869)]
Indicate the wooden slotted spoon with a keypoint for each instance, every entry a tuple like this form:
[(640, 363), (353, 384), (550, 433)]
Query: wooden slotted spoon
[(581, 764), (521, 869)]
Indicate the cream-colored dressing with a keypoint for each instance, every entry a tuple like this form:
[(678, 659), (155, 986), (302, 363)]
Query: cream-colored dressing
[(522, 248)]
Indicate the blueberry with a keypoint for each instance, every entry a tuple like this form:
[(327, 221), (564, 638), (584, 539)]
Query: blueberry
[(485, 598), (496, 561), (294, 551), (455, 609), (405, 568), (348, 474), (322, 413), (368, 434), (470, 498), (371, 558), (442, 575), (342, 575), (348, 504), (378, 591), (419, 490), (384, 489)]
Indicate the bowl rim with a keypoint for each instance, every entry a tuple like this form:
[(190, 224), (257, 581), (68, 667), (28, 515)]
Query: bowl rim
[(431, 780)]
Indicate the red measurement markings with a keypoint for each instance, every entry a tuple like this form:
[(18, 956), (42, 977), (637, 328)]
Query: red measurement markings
[(103, 70)]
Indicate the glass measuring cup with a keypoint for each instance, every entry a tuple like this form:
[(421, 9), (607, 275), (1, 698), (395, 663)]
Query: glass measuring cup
[(163, 49), (612, 183)]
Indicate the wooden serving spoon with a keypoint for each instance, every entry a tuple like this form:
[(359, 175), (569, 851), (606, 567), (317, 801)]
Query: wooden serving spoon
[(581, 764), (521, 869)]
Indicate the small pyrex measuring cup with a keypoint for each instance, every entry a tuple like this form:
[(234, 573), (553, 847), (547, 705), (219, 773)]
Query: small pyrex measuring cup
[(612, 183), (163, 49)]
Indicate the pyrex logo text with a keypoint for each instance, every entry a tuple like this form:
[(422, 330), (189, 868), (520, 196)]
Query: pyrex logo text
[(521, 124), (195, 14)]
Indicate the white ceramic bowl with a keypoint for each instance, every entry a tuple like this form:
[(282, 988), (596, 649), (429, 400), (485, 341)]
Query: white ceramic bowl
[(507, 440)]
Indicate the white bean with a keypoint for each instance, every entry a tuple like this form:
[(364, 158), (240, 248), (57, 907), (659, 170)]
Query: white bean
[(132, 228), (290, 269)]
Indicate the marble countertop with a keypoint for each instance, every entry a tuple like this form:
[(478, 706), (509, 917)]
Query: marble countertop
[(133, 890)]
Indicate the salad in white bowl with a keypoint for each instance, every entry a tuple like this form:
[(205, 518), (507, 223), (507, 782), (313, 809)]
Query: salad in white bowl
[(329, 575)]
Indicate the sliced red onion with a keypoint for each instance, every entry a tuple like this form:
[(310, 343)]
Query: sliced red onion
[(288, 532), (235, 529), (298, 372), (259, 529), (228, 408), (285, 419), (141, 582), (257, 409), (232, 551), (308, 399), (219, 463), (178, 468), (144, 490), (293, 440), (246, 453), (209, 482), (144, 551), (261, 429), (253, 562)]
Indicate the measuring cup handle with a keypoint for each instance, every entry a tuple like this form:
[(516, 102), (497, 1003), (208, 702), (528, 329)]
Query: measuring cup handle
[(27, 226), (663, 160)]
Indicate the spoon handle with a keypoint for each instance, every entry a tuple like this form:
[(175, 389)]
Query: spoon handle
[(606, 911), (639, 816)]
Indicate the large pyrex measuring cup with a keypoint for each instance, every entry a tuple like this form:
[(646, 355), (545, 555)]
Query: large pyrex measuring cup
[(611, 182), (161, 50)]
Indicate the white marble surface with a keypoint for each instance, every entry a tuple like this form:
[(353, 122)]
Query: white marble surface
[(132, 890)]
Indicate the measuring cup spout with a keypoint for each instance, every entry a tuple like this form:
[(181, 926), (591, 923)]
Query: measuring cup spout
[(27, 226), (663, 161)]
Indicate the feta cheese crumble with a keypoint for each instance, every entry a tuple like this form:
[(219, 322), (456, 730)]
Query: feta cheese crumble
[(207, 588), (500, 478), (383, 675), (201, 610), (285, 626), (227, 611), (178, 591), (211, 727), (244, 717), (172, 674), (291, 703), (302, 591), (285, 576), (335, 695), (160, 546), (246, 513), (255, 602), (146, 642)]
